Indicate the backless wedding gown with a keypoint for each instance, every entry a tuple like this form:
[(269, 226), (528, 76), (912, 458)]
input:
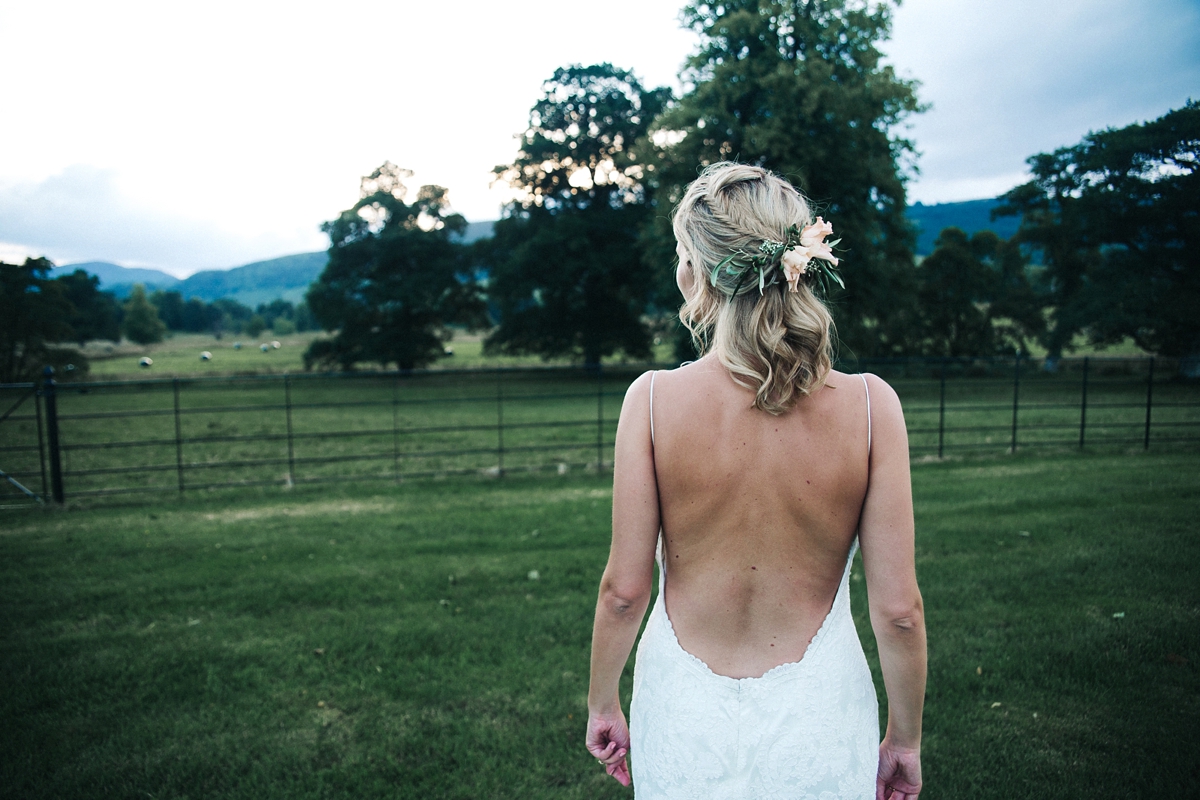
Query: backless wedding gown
[(805, 730)]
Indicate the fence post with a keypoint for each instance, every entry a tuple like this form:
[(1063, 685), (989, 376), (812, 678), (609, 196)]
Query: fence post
[(48, 392), (1083, 404), (287, 404), (499, 426), (178, 437), (1016, 398), (942, 411), (1149, 402), (599, 418), (37, 407)]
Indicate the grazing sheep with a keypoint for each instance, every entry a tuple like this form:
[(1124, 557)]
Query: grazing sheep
[(276, 345), (145, 361), (205, 356), (266, 348), (237, 345)]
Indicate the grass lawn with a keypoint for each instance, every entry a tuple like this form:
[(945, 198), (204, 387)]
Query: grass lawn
[(430, 640)]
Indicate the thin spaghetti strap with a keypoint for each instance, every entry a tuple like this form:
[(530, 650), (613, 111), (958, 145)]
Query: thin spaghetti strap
[(652, 374), (866, 388), (658, 546)]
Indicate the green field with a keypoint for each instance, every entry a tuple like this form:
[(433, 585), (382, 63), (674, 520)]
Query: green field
[(179, 356), (374, 640)]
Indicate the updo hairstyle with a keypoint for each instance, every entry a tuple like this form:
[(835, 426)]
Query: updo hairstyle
[(778, 344)]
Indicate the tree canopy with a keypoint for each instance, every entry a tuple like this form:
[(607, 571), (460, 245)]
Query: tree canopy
[(799, 87), (395, 278), (566, 270), (1116, 221), (34, 312)]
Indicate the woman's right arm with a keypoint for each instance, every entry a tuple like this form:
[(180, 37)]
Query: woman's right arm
[(886, 537), (625, 587)]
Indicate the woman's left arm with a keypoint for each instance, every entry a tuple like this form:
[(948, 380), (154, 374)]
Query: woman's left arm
[(626, 585)]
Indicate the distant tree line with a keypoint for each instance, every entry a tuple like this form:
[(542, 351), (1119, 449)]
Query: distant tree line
[(581, 265), (226, 315), (41, 317)]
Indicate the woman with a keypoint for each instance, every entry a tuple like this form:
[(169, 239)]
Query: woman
[(763, 469)]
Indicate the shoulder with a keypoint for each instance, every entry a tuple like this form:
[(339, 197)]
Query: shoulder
[(659, 378), (880, 391), (881, 397), (637, 395), (887, 415), (641, 385)]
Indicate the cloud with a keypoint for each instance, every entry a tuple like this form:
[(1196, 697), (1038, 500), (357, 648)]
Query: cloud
[(79, 214), (1010, 79)]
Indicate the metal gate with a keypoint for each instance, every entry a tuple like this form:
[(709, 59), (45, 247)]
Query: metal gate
[(23, 450)]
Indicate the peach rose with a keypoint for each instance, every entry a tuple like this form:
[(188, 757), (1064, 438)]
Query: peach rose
[(795, 265), (812, 245), (812, 239)]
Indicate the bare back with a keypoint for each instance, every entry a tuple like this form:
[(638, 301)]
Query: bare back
[(758, 512)]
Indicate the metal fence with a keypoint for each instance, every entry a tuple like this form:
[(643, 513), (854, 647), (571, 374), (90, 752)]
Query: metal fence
[(1002, 405), (74, 440)]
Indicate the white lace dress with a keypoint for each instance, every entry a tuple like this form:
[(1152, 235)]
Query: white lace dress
[(807, 730)]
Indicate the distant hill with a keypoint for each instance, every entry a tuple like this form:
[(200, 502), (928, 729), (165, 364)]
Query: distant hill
[(112, 275), (971, 216), (261, 282)]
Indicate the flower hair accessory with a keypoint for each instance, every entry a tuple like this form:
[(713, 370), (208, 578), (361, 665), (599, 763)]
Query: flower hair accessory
[(804, 255)]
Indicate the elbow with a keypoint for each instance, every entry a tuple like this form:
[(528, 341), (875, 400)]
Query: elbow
[(623, 599), (902, 620)]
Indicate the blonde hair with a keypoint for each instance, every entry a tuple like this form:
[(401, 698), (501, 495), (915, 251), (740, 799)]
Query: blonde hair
[(778, 344)]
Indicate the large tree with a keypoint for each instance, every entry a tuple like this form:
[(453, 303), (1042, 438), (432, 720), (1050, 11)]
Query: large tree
[(800, 87), (567, 277), (1116, 221), (34, 312), (395, 278)]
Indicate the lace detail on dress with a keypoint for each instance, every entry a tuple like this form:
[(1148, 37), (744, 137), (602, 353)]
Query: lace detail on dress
[(806, 729)]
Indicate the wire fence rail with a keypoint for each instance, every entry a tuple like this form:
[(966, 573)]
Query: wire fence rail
[(76, 440)]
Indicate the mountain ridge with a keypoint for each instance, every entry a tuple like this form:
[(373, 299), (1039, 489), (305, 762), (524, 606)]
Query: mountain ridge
[(971, 216)]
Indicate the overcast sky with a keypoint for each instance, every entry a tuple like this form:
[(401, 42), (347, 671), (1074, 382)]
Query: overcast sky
[(189, 136)]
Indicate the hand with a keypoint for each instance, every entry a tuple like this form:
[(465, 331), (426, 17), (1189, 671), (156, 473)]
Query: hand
[(608, 741), (899, 773)]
